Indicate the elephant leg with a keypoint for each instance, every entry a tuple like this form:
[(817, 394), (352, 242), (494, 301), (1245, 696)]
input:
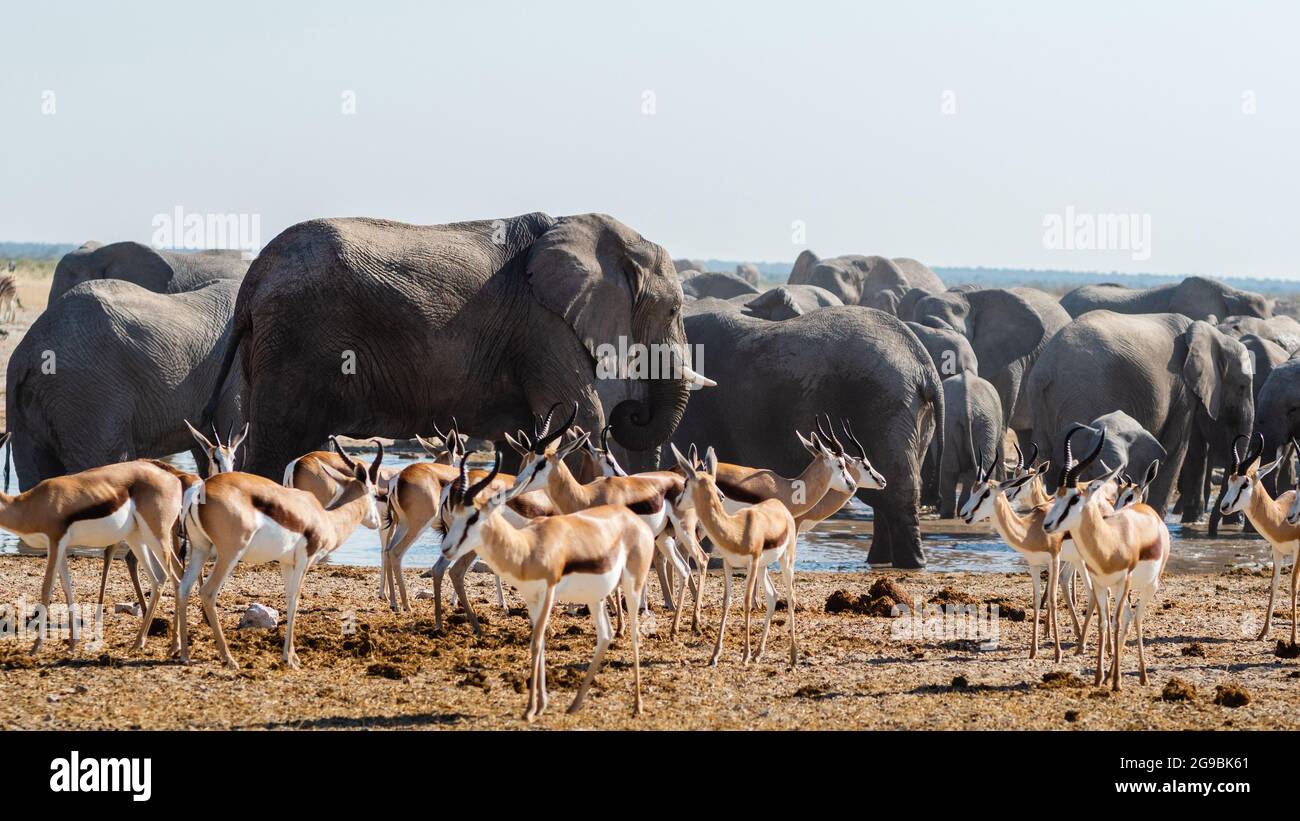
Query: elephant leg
[(949, 477), (881, 553), (904, 528), (1174, 440), (1191, 481)]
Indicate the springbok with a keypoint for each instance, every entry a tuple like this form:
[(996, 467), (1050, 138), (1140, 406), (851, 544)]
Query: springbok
[(1271, 517), (752, 538), (135, 502), (242, 517), (9, 301), (579, 558), (1125, 551), (649, 495)]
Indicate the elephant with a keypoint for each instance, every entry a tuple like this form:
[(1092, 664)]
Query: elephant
[(950, 351), (1195, 297), (787, 301), (684, 266), (1277, 416), (1173, 375), (718, 284), (748, 271), (1127, 443), (876, 282), (112, 371), (368, 327), (160, 271), (972, 425), (1281, 330), (849, 362), (1007, 329), (907, 305)]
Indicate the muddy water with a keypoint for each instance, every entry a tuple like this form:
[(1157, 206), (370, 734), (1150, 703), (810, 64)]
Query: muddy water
[(840, 544)]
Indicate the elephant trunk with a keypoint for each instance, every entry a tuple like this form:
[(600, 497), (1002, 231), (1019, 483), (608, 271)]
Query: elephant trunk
[(645, 425)]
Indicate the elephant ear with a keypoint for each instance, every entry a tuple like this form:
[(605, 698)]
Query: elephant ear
[(136, 263), (803, 264), (582, 270), (776, 303), (1201, 369), (1003, 328)]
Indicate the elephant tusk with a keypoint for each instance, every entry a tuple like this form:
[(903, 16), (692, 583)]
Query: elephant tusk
[(697, 380)]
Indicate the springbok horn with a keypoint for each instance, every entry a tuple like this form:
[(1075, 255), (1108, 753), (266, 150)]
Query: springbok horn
[(347, 460), (485, 481), (1069, 457), (604, 437), (848, 431), (546, 422), (215, 434), (1236, 454), (374, 466), (1255, 451), (446, 440), (540, 445), (457, 492), (826, 436), (1020, 457), (1087, 460), (1033, 453)]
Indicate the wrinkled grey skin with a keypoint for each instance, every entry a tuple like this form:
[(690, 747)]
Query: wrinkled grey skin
[(129, 367), (972, 427), (950, 351), (1277, 414), (1196, 297), (907, 305), (748, 271), (1007, 328), (852, 362), (160, 271), (717, 284), (1127, 443), (490, 322), (788, 301), (1171, 374), (876, 282), (682, 266), (1281, 330)]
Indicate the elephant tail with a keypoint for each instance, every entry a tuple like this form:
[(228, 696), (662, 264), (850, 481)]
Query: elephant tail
[(932, 392), (239, 327)]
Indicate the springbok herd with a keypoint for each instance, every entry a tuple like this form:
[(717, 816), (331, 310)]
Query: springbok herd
[(585, 538)]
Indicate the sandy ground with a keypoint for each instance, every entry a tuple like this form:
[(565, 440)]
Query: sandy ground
[(364, 667)]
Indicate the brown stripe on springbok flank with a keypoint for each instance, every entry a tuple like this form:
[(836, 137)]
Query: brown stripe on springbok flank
[(286, 519), (1151, 550), (648, 506), (737, 493), (99, 510), (527, 508), (774, 542), (589, 564)]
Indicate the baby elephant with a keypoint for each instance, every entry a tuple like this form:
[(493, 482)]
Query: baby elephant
[(972, 424)]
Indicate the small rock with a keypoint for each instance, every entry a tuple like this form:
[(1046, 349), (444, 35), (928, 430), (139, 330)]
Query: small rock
[(259, 616), (130, 608), (426, 594), (479, 567), (52, 698), (1178, 690), (648, 625), (1231, 695), (1060, 679)]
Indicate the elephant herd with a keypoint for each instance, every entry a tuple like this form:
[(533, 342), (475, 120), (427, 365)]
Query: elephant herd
[(373, 328)]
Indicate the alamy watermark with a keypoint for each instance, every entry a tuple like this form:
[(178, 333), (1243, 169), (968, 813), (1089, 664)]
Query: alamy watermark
[(191, 231), (950, 622), (1076, 231), (638, 360), (26, 621)]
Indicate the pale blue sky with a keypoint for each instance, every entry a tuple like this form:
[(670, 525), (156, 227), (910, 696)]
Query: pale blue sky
[(765, 113)]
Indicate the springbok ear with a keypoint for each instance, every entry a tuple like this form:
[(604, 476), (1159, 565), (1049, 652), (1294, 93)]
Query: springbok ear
[(711, 462), (807, 444), (687, 465), (239, 440), (198, 437), (1265, 470), (1015, 483), (694, 453), (434, 446), (339, 476), (1043, 467), (1152, 470), (564, 450), (518, 446)]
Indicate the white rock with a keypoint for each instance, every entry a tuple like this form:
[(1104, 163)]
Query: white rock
[(130, 608), (648, 625), (259, 616), (425, 594)]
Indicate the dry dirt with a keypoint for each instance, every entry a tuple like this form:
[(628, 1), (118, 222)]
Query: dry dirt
[(398, 671)]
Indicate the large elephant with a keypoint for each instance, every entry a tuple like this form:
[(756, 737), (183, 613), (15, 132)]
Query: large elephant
[(972, 430), (1170, 373), (787, 301), (160, 271), (1195, 297), (717, 284), (1008, 330), (874, 281), (1127, 443), (1277, 412), (851, 362), (370, 327), (748, 271), (112, 371)]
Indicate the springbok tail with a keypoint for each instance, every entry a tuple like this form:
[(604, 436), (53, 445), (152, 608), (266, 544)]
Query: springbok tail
[(289, 470)]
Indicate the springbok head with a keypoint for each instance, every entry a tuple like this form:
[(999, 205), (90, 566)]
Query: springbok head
[(467, 507), (221, 455), (603, 456), (367, 477), (445, 448), (1071, 494), (1025, 468), (699, 473), (545, 449), (1245, 471), (1131, 492), (984, 491), (833, 460), (864, 476)]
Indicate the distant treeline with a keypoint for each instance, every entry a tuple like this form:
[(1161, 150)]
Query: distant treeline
[(33, 250)]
